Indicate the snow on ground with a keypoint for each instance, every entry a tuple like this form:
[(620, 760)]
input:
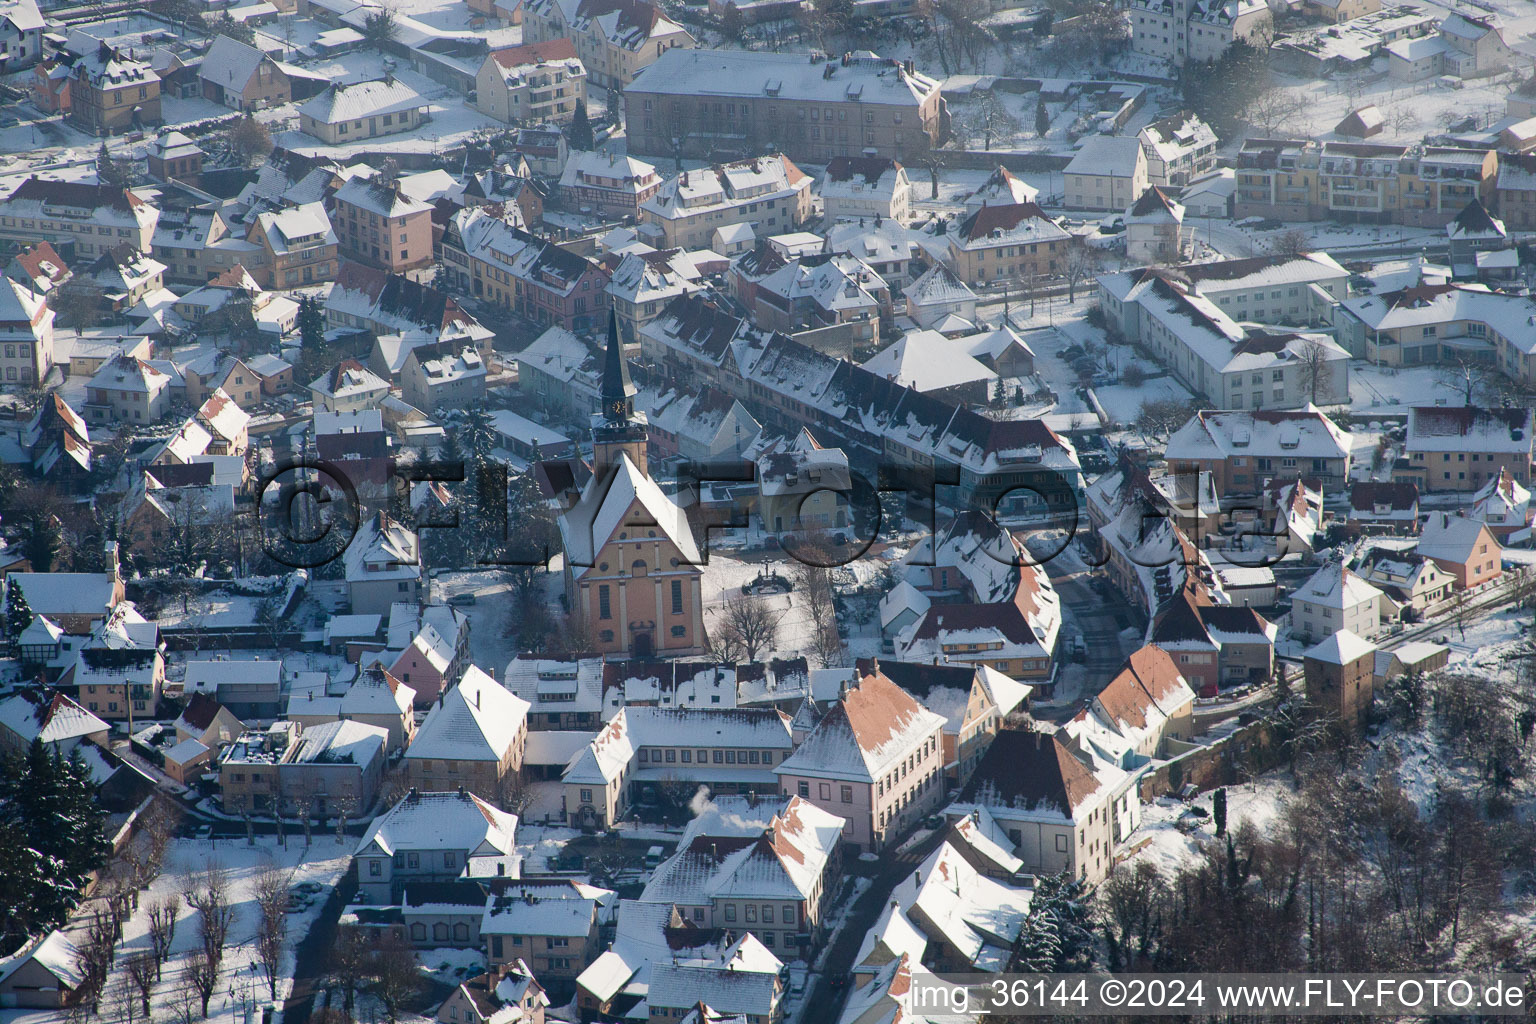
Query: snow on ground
[(1161, 843), (1123, 402), (323, 864), (450, 965), (539, 843), (722, 582), (1390, 390), (489, 645)]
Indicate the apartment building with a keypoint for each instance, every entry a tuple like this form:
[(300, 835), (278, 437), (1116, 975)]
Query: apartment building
[(608, 183), (858, 187), (21, 33), (430, 837), (443, 376), (1373, 183), (1461, 449), (769, 193), (1463, 46), (296, 246), (96, 218), (1107, 173), (1006, 243), (532, 83), (1241, 452), (699, 102), (615, 39), (328, 769), (1179, 148), (1422, 324), (26, 334), (110, 91), (380, 225), (1196, 30), (473, 739)]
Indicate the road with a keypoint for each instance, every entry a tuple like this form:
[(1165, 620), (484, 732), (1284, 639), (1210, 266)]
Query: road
[(824, 1001), (1089, 604)]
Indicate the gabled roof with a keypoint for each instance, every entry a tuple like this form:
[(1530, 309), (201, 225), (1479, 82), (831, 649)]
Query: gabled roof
[(363, 99), (1453, 538), (876, 724), (477, 720), (440, 821), (230, 63), (1154, 206), (1036, 772), (626, 496), (1464, 429), (54, 719), (1334, 586)]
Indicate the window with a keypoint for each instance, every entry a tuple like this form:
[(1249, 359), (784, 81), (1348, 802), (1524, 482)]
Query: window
[(604, 608), (847, 794), (730, 912), (805, 790), (677, 597), (767, 913), (586, 796), (825, 790), (375, 868), (719, 757), (751, 909), (1061, 844)]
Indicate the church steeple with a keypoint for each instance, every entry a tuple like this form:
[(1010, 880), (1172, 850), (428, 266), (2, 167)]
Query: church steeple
[(618, 428), (618, 389)]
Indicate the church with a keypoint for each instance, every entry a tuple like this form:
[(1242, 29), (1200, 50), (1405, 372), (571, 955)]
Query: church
[(632, 575)]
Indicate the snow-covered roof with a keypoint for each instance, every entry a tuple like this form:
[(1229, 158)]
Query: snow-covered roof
[(1334, 586), (1342, 648), (790, 77), (1302, 434), (616, 745), (605, 506), (440, 821), (1468, 429), (478, 720), (55, 953), (363, 99), (54, 720), (1454, 538), (928, 361), (874, 726), (1114, 156)]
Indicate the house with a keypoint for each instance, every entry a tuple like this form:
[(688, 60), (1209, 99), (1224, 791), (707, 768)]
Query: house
[(46, 973), (39, 267), (362, 111), (110, 91), (333, 768), (552, 924), (532, 83), (297, 246), (1465, 548), (1180, 149), (997, 243), (58, 443), (429, 662), (249, 689), (1001, 188), (78, 602), (608, 184), (239, 75), (348, 387), (120, 669), (643, 752), (770, 193), (54, 720), (804, 491), (21, 33), (379, 224), (26, 331), (814, 111), (443, 376), (1107, 173), (975, 702), (42, 210), (217, 373), (171, 156), (1337, 11), (559, 374), (486, 999), (1197, 30), (1216, 646), (1384, 507), (709, 426), (824, 290), (432, 837), (383, 565), (767, 867), (1154, 228), (939, 296), (1244, 451), (377, 698), (1464, 46), (543, 148), (473, 739), (1340, 678), (1504, 505), (207, 721), (1133, 718), (1062, 809), (615, 39), (858, 187), (642, 283), (1411, 580), (875, 758), (374, 300), (1461, 449), (1337, 598)]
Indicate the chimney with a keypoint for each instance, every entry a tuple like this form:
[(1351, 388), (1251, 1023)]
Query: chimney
[(413, 796), (461, 792), (477, 698)]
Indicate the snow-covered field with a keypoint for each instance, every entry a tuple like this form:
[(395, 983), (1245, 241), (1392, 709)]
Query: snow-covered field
[(1160, 842)]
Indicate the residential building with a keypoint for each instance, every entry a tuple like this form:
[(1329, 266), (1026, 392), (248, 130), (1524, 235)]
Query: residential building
[(1107, 173), (296, 246), (813, 109), (1244, 451), (382, 303), (1154, 228), (1383, 507), (362, 111), (831, 294), (486, 999), (381, 225), (607, 183), (642, 283), (876, 759), (1136, 715), (443, 376), (375, 698), (1464, 46), (559, 373), (21, 33), (1197, 30), (940, 301), (127, 389), (1504, 504), (1179, 149), (857, 187), (1337, 598), (349, 386), (54, 720), (1063, 809), (1006, 243), (26, 334), (710, 426), (239, 75), (642, 752), (429, 837), (1463, 547), (1409, 579), (1001, 188), (120, 670), (96, 218), (383, 566), (551, 925), (1461, 449), (110, 91), (331, 769), (615, 39), (1336, 11), (976, 702), (770, 193), (250, 689), (473, 739), (533, 83), (208, 722)]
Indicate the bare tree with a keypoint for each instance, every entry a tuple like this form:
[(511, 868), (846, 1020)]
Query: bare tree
[(1082, 263), (202, 974), (162, 930), (271, 889), (1292, 242), (207, 892), (751, 624), (1272, 110), (393, 973), (990, 119), (1162, 416), (813, 588), (514, 794), (142, 970), (1314, 364)]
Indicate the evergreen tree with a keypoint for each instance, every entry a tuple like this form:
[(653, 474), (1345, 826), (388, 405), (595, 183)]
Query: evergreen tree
[(579, 134), (106, 170), (17, 615), (1058, 902), (43, 542), (311, 323), (1219, 810), (1042, 119), (1039, 947)]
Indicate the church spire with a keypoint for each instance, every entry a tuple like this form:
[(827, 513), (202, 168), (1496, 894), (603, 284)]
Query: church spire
[(618, 389)]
